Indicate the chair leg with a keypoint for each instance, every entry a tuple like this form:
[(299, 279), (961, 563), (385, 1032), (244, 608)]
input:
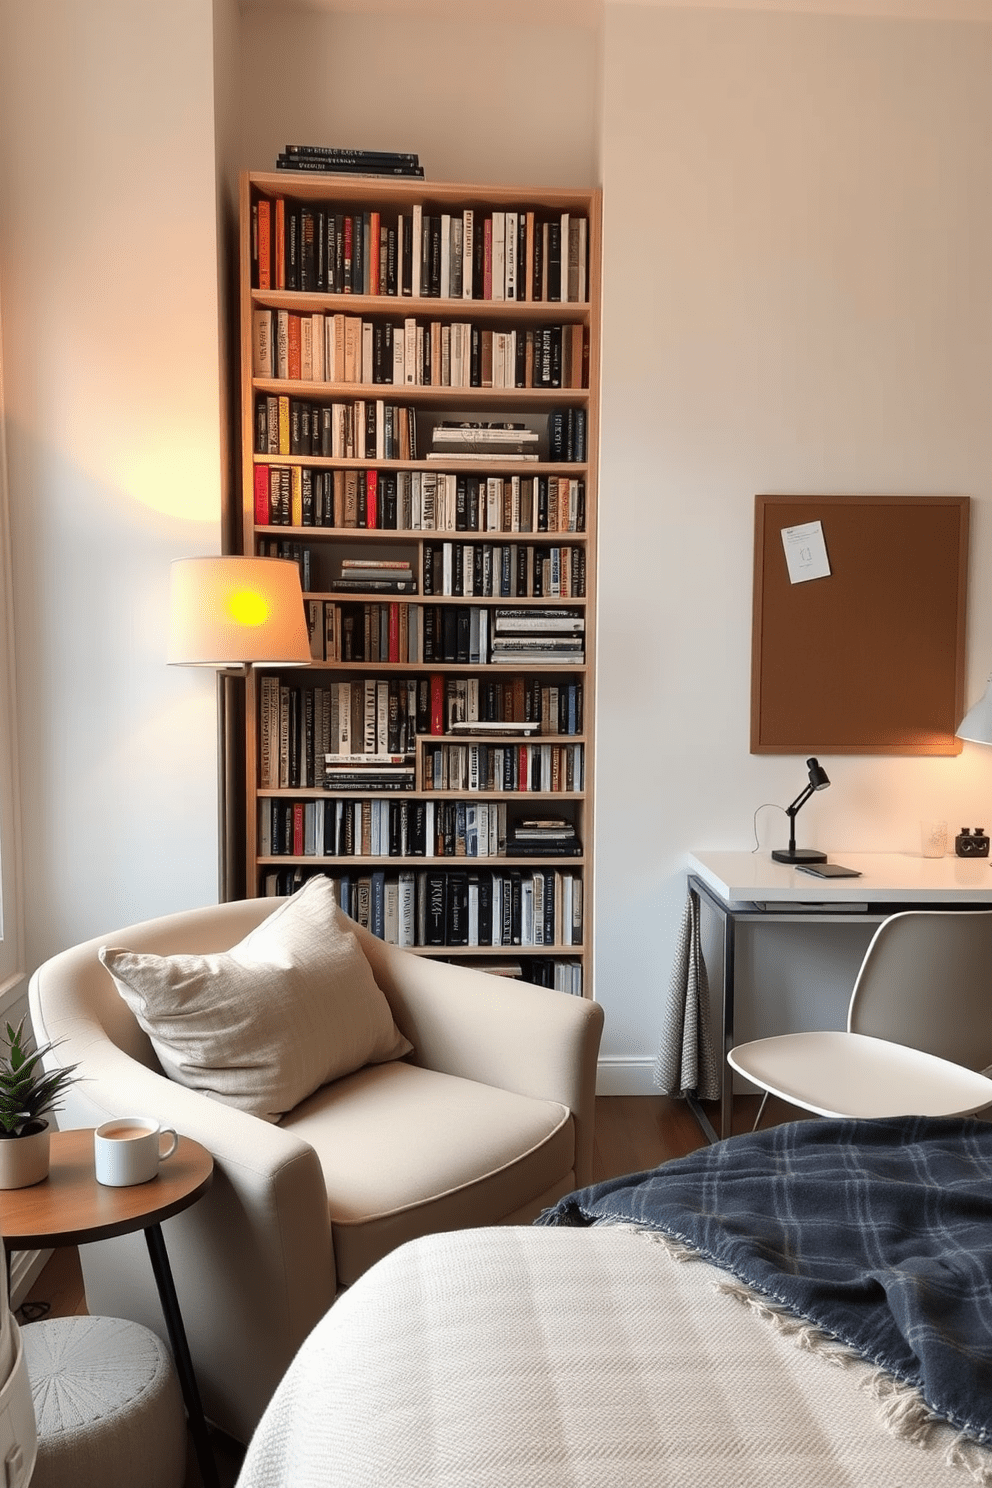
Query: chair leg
[(761, 1111)]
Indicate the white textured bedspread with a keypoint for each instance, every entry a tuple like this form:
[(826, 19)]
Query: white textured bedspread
[(561, 1358)]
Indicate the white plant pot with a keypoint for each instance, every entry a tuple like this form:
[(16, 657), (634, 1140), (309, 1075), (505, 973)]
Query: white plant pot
[(24, 1160)]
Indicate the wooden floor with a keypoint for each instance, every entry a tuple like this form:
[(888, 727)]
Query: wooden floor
[(632, 1133)]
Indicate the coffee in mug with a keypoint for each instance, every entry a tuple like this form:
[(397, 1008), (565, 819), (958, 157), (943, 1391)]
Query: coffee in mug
[(129, 1149)]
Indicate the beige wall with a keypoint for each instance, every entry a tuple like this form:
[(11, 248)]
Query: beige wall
[(799, 233), (108, 259), (479, 98)]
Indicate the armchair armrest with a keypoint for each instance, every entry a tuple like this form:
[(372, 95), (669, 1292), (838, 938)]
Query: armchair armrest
[(509, 1034)]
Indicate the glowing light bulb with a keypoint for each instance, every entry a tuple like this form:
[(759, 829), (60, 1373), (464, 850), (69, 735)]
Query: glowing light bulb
[(248, 607)]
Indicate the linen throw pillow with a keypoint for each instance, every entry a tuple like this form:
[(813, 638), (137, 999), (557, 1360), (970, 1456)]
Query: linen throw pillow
[(262, 1026)]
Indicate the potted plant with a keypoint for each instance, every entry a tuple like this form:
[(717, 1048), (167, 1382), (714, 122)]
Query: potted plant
[(27, 1094)]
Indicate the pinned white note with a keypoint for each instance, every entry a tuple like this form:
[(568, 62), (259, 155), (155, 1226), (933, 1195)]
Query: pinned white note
[(805, 552)]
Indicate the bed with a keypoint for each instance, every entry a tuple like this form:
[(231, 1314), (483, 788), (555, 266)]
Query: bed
[(807, 1307)]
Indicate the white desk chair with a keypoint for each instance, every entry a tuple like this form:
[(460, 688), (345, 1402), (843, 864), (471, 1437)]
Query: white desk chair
[(919, 1028)]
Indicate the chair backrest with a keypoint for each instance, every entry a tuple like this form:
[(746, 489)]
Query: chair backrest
[(926, 981)]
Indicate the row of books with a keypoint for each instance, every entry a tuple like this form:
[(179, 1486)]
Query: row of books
[(367, 429), (417, 500), (371, 827), (455, 570), (508, 767), (315, 347), (375, 632), (294, 552), (299, 725), (563, 976), (538, 971), (505, 571), (372, 429), (451, 570), (336, 160), (394, 631), (470, 254), (418, 635), (458, 907)]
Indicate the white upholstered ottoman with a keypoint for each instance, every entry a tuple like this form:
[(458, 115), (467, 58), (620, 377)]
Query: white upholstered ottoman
[(107, 1405)]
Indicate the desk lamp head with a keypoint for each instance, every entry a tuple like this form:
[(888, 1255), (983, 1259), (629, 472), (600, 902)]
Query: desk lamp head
[(976, 727), (818, 780)]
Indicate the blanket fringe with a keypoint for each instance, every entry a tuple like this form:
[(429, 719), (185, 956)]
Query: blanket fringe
[(971, 1458), (675, 1248), (900, 1408), (805, 1334)]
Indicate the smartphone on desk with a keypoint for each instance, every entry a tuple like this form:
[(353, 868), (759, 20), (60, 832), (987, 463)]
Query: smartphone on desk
[(828, 870)]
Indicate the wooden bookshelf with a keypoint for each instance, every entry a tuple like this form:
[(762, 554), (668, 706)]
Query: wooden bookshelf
[(491, 544)]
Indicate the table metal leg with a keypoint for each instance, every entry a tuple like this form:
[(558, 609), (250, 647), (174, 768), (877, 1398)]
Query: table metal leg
[(727, 1028), (702, 1120), (726, 1035), (181, 1354)]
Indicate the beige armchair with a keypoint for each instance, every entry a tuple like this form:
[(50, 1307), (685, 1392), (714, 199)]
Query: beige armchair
[(488, 1121)]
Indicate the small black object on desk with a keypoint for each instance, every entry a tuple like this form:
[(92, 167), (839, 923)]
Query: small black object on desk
[(972, 843)]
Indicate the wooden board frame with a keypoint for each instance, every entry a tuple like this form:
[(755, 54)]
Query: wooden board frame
[(870, 660)]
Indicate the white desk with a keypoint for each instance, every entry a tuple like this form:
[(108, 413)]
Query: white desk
[(750, 886)]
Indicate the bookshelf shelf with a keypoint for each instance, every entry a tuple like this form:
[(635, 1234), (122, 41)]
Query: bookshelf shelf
[(489, 311), (442, 398), (384, 860), (335, 474)]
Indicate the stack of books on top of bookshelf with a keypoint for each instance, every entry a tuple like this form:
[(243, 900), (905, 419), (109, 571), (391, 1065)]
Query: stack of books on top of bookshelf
[(375, 576), (334, 160), (482, 441)]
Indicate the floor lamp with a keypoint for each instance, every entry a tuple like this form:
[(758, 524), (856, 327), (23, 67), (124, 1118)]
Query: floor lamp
[(232, 613)]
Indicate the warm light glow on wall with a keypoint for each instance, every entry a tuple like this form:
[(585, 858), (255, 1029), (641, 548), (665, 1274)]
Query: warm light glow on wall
[(171, 480)]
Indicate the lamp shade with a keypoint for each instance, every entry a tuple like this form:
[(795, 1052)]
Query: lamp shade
[(233, 611), (976, 726)]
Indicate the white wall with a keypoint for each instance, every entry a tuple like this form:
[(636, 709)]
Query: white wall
[(109, 268), (798, 237)]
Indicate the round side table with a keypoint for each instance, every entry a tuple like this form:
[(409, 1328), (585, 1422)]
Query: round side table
[(70, 1207)]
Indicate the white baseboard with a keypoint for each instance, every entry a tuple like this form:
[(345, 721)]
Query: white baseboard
[(25, 1268), (625, 1077)]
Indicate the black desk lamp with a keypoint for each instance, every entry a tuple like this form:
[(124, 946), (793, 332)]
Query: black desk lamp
[(818, 780)]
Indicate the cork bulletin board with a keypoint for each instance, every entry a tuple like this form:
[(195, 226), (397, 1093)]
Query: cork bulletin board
[(858, 628)]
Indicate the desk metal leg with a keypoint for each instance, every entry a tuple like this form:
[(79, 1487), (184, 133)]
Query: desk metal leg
[(181, 1355), (726, 1039), (727, 1028), (702, 1120)]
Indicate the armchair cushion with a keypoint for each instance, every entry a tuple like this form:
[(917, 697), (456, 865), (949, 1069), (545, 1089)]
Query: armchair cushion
[(291, 1007), (405, 1149)]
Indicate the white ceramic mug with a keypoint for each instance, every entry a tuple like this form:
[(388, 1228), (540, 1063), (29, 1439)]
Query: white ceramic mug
[(128, 1150)]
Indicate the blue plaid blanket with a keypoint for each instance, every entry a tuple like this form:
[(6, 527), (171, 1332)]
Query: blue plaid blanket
[(879, 1232)]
